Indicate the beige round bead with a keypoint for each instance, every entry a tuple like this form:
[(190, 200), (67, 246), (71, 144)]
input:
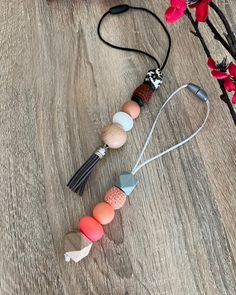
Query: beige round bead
[(132, 108), (114, 136)]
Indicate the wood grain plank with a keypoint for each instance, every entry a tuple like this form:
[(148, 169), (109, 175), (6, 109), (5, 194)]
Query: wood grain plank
[(59, 86)]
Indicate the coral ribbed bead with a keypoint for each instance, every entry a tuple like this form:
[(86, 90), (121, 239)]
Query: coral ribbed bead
[(103, 213), (132, 108), (114, 136), (91, 228), (115, 197)]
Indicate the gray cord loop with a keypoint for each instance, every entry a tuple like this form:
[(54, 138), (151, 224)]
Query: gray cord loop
[(199, 93)]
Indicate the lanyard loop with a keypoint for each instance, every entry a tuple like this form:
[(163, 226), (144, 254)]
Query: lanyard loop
[(197, 91), (124, 8)]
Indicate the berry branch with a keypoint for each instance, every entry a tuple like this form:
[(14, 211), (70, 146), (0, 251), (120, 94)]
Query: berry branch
[(224, 96), (223, 72)]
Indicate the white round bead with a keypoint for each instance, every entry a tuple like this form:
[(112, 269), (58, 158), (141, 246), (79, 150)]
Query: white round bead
[(124, 120)]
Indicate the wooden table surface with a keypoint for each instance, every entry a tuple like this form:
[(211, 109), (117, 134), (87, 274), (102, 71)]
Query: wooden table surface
[(59, 86)]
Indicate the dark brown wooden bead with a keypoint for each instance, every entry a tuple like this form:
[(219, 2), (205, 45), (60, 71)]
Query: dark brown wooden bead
[(138, 100), (144, 91)]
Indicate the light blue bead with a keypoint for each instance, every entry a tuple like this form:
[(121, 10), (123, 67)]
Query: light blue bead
[(124, 120)]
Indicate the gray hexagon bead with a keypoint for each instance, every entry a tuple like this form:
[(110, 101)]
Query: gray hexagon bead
[(126, 182)]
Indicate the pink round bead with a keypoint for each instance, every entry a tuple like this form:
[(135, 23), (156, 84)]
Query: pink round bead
[(91, 228), (115, 197)]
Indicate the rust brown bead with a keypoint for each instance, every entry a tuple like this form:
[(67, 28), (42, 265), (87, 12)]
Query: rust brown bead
[(144, 91)]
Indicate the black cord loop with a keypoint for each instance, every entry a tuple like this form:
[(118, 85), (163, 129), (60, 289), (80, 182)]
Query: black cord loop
[(123, 8)]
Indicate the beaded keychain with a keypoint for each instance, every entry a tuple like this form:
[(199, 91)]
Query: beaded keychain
[(78, 243), (114, 135)]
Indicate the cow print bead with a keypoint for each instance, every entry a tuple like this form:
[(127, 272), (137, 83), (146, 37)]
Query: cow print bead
[(154, 78)]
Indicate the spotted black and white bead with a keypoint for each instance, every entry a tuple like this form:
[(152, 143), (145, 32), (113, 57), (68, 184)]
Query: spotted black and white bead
[(154, 78)]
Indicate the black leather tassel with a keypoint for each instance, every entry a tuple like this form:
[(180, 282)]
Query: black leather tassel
[(78, 181)]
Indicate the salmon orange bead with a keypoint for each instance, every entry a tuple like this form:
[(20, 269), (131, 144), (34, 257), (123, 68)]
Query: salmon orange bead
[(91, 228), (115, 197), (103, 213), (132, 108)]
